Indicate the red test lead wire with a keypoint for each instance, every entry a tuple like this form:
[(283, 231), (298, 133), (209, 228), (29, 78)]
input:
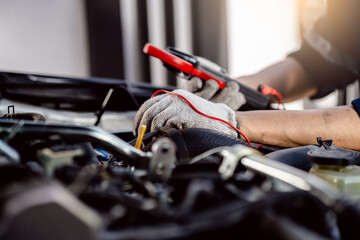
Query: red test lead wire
[(201, 113)]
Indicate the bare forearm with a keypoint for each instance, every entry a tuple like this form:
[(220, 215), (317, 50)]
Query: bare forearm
[(296, 128), (287, 77)]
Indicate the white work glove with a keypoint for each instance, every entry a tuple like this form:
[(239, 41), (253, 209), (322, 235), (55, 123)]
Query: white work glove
[(209, 90), (170, 110)]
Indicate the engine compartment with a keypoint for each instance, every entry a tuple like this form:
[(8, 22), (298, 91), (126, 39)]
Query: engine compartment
[(70, 181)]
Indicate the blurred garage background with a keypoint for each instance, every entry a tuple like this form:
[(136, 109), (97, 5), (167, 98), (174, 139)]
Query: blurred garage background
[(85, 38)]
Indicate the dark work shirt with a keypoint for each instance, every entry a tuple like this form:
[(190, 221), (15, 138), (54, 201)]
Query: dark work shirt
[(330, 50), (356, 105)]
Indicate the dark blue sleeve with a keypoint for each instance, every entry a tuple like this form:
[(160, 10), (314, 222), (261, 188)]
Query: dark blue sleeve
[(356, 105), (329, 52)]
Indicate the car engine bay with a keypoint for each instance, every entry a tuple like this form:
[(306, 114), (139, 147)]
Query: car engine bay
[(74, 179)]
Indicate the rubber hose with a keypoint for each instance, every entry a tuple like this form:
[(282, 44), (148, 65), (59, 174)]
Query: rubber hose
[(199, 140)]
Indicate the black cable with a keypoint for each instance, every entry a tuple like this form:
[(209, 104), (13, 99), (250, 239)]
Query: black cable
[(103, 106), (108, 97)]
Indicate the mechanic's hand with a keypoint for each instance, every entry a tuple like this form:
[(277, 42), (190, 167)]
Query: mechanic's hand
[(170, 110), (209, 90)]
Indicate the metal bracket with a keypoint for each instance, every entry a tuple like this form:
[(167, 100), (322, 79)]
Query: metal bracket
[(11, 107), (231, 157), (164, 159)]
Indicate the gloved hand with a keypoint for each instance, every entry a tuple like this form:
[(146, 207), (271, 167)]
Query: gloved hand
[(209, 90), (170, 110)]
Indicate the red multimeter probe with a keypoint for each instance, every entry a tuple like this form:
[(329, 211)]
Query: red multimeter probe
[(179, 63), (189, 66)]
